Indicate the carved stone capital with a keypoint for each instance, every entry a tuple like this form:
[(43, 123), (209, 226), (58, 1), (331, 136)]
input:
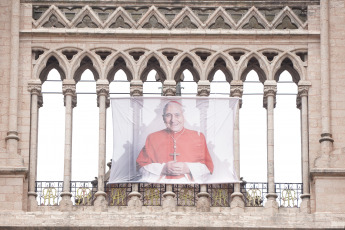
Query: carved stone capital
[(68, 89), (35, 87), (102, 89), (169, 88), (270, 90), (303, 89), (204, 88), (136, 88), (236, 90)]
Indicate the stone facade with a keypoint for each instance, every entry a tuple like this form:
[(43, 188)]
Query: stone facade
[(305, 38)]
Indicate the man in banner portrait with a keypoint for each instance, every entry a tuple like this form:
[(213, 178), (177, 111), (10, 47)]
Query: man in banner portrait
[(175, 154)]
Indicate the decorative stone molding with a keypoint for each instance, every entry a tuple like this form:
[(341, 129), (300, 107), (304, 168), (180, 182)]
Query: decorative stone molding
[(203, 204), (204, 88), (102, 89), (169, 88), (270, 90), (254, 18), (35, 87), (236, 90), (136, 88), (68, 88), (303, 89), (12, 135)]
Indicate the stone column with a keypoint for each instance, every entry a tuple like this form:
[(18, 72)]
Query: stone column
[(326, 140), (70, 102), (270, 89), (34, 88), (169, 88), (237, 199), (203, 204), (102, 89), (169, 204), (302, 104), (134, 203), (12, 135)]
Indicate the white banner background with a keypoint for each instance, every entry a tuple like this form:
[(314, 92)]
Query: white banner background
[(134, 118)]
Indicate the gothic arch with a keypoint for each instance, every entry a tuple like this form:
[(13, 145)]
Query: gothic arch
[(117, 62), (220, 62), (186, 61), (288, 62), (153, 61), (84, 61), (254, 62), (49, 61)]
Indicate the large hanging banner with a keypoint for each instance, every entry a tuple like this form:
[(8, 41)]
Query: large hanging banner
[(173, 140)]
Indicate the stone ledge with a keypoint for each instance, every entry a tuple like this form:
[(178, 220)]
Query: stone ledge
[(13, 171), (327, 172)]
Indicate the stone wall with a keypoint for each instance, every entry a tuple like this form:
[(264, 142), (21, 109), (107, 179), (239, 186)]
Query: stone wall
[(327, 177)]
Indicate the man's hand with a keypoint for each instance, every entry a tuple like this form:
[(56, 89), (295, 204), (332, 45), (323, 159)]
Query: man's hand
[(175, 168)]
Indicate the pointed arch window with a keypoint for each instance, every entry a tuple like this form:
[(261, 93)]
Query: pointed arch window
[(51, 133)]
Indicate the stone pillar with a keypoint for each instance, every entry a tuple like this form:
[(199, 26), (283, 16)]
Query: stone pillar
[(237, 199), (134, 203), (203, 204), (302, 104), (169, 204), (12, 135), (34, 88), (102, 89), (326, 140), (68, 89), (270, 89), (169, 88)]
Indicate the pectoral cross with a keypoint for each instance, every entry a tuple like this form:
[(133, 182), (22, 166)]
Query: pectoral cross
[(174, 154)]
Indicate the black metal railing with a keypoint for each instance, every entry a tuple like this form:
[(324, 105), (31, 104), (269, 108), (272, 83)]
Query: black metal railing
[(254, 194), (48, 192), (117, 194), (83, 193), (220, 194), (151, 194), (289, 194), (186, 194)]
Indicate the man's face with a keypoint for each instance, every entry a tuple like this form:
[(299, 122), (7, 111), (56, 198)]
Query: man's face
[(173, 117)]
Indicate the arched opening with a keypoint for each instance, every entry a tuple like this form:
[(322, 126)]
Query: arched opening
[(253, 125), (153, 85), (186, 86), (51, 133), (219, 85), (287, 135), (85, 129), (118, 87)]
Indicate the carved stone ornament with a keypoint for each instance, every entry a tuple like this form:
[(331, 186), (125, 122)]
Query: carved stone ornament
[(35, 87), (269, 91), (302, 92), (103, 90), (136, 88), (169, 88), (68, 89), (204, 88)]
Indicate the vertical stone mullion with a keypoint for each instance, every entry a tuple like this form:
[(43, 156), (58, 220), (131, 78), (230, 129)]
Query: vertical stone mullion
[(303, 99), (69, 91), (35, 90), (237, 202), (270, 89), (103, 103), (169, 204), (134, 203), (203, 204)]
